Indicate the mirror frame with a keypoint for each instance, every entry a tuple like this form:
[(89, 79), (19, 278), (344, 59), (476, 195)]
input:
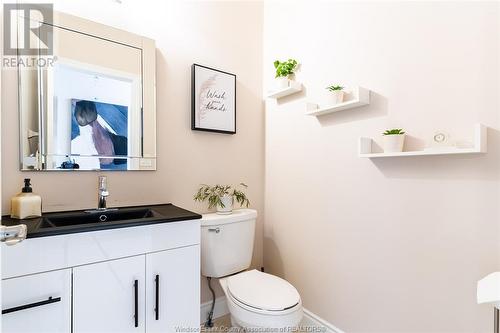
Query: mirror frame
[(148, 53)]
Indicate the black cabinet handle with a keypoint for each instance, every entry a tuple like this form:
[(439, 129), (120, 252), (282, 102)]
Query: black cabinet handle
[(157, 301), (32, 305), (136, 302)]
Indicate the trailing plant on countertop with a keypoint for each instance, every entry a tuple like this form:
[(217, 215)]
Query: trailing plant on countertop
[(213, 195), (395, 131), (335, 88), (285, 68)]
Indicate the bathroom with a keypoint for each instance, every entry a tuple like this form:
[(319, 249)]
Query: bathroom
[(372, 243)]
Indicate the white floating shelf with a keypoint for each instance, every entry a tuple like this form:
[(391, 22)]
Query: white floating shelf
[(292, 88), (360, 97), (480, 147)]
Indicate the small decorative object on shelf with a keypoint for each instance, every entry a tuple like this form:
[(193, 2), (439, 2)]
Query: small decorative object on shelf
[(284, 72), (394, 140), (222, 197), (439, 141), (336, 94), (71, 164)]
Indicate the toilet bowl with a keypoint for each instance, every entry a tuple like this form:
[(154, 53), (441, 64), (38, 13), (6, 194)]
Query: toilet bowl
[(256, 300), (259, 300)]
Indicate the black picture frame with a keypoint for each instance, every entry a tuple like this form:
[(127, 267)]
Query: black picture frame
[(194, 110)]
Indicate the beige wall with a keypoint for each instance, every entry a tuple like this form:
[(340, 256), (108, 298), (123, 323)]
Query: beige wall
[(222, 35), (396, 244)]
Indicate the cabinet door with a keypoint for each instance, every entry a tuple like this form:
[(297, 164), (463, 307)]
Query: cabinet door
[(37, 303), (109, 296), (173, 290)]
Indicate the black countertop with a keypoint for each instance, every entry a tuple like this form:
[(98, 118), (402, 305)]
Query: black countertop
[(162, 214)]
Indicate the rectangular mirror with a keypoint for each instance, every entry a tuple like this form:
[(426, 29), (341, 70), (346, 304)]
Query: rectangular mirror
[(92, 107)]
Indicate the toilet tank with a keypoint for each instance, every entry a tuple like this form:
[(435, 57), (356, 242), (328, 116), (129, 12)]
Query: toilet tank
[(227, 242)]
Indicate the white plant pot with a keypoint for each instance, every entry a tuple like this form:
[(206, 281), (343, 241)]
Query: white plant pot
[(335, 97), (394, 143), (282, 82), (227, 200)]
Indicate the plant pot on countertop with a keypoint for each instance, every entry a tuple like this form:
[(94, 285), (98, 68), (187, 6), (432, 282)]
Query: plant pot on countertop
[(227, 201), (394, 143)]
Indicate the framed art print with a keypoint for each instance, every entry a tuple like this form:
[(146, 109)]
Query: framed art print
[(213, 100)]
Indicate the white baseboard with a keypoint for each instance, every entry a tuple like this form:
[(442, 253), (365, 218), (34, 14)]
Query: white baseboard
[(310, 319), (220, 309)]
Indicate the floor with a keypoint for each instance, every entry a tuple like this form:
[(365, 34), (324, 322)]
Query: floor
[(223, 325)]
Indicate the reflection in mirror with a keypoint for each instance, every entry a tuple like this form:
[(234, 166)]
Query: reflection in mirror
[(93, 109)]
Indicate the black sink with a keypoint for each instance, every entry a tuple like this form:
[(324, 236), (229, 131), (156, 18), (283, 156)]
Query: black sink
[(71, 222), (105, 216)]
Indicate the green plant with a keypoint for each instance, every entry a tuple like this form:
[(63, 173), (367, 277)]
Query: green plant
[(334, 88), (285, 68), (213, 195), (394, 131)]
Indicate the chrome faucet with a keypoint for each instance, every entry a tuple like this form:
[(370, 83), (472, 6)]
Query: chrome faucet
[(103, 193)]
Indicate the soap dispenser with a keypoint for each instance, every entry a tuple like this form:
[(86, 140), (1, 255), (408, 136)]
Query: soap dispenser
[(26, 204)]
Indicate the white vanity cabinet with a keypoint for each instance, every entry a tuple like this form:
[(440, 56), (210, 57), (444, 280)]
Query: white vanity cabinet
[(39, 303), (172, 294), (155, 292), (109, 296), (139, 279)]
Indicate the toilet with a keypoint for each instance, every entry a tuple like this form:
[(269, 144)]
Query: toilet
[(256, 300)]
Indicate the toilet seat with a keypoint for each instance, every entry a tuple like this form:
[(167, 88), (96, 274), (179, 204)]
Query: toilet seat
[(248, 310), (263, 293)]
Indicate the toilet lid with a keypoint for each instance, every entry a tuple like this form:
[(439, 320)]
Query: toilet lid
[(263, 291)]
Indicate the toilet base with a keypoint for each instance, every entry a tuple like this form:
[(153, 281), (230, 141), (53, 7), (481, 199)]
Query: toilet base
[(236, 328), (235, 325)]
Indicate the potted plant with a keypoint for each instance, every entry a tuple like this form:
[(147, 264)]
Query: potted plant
[(284, 72), (222, 197), (394, 140), (336, 94)]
